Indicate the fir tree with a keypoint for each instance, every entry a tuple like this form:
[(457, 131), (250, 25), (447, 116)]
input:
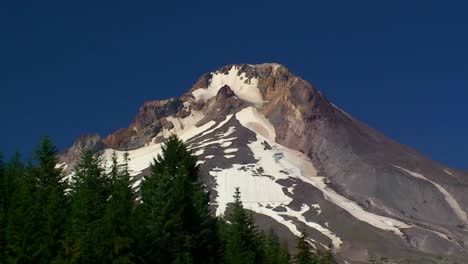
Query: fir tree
[(179, 228), (51, 198), (117, 219), (23, 229), (275, 253), (284, 256), (327, 257), (304, 254), (241, 245), (3, 211), (89, 194)]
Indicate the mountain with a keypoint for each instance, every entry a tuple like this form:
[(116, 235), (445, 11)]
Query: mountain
[(302, 164)]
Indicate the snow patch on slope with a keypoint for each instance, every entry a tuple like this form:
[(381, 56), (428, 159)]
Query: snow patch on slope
[(243, 87), (308, 173), (252, 119), (185, 128), (261, 193), (448, 172), (296, 164), (448, 197)]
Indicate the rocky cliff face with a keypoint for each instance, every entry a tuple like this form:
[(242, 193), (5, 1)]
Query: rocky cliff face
[(302, 163)]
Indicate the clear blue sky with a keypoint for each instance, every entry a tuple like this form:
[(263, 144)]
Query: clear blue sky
[(74, 67)]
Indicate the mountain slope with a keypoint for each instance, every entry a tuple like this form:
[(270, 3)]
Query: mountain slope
[(302, 163)]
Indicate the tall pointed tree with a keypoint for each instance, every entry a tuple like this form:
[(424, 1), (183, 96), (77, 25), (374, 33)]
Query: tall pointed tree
[(117, 219), (89, 194), (23, 227), (304, 254), (327, 257), (52, 201), (275, 253), (179, 228), (3, 211), (241, 245)]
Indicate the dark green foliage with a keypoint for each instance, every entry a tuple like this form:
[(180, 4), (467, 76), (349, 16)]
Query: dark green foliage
[(241, 236), (52, 202), (327, 257), (24, 214), (304, 254), (89, 195), (175, 213), (3, 210), (117, 219), (275, 253)]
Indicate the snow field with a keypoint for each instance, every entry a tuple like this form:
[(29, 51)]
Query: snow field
[(243, 87)]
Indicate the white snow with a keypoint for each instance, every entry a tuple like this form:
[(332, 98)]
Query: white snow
[(185, 127), (62, 166), (216, 127), (230, 130), (140, 158), (254, 190), (229, 156), (336, 241), (448, 172), (223, 142), (317, 207), (136, 184), (456, 208), (243, 87), (226, 144), (199, 152), (209, 157), (250, 118), (231, 150)]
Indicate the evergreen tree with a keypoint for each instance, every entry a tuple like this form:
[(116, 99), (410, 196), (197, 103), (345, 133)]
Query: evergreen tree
[(3, 211), (50, 193), (179, 228), (304, 254), (241, 244), (328, 257), (284, 256), (117, 219), (275, 253), (24, 212), (89, 195)]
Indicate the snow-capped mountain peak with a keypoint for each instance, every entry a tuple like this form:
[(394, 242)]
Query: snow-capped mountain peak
[(301, 164)]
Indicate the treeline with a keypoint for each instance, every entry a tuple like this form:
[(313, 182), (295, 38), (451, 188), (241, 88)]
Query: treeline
[(98, 218)]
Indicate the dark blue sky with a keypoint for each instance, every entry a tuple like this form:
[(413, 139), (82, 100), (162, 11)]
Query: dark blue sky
[(74, 67)]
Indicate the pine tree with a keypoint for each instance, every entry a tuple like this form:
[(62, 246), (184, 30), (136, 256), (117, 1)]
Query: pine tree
[(284, 256), (3, 211), (304, 254), (241, 245), (89, 195), (179, 228), (117, 219), (275, 253), (24, 211), (327, 257), (52, 202)]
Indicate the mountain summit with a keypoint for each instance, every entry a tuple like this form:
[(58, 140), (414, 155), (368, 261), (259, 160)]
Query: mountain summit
[(302, 164)]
